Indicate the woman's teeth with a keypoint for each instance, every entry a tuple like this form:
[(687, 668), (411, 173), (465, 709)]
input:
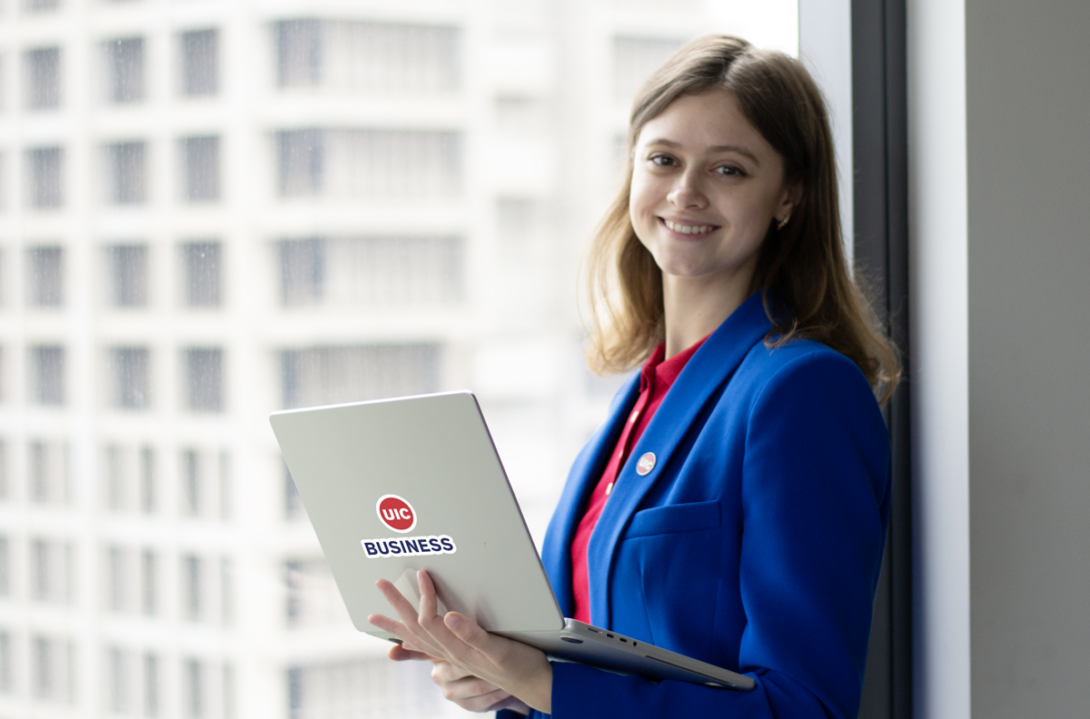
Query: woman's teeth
[(689, 229)]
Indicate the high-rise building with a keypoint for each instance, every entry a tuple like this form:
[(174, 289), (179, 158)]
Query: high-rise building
[(210, 211)]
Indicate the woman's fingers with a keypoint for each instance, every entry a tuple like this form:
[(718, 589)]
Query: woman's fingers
[(400, 653)]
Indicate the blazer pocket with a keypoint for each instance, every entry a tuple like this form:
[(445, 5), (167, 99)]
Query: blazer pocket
[(675, 518)]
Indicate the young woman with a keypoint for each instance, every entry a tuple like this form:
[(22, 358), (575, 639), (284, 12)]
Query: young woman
[(734, 505)]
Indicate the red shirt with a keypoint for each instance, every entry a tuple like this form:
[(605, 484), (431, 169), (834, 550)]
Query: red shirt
[(656, 379)]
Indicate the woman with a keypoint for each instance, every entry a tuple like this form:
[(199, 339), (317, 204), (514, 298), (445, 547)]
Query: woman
[(740, 516)]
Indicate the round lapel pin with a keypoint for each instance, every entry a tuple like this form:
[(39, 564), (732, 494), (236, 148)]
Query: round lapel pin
[(646, 464)]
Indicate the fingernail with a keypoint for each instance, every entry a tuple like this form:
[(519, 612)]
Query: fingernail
[(454, 621)]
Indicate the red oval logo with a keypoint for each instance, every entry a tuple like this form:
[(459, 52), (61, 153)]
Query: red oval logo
[(396, 513)]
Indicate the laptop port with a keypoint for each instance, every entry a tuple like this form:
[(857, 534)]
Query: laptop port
[(571, 640), (609, 635)]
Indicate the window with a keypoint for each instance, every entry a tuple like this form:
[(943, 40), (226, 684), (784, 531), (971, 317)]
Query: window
[(191, 482), (116, 479), (117, 671), (47, 375), (300, 154), (634, 58), (201, 273), (118, 579), (126, 173), (370, 164), (47, 472), (130, 380), (298, 53), (5, 567), (148, 493), (45, 181), (203, 380), (192, 587), (4, 488), (45, 276), (201, 159), (43, 78), (151, 685), (227, 591), (193, 674), (127, 275), (371, 271), (374, 687), (125, 70), (52, 669), (7, 678), (149, 583), (41, 5), (312, 598), (199, 62), (370, 58), (51, 571), (328, 375)]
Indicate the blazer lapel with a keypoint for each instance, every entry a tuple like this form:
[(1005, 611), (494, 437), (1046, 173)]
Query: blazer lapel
[(584, 475), (709, 369)]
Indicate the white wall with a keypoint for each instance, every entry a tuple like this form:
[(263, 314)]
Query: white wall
[(999, 170)]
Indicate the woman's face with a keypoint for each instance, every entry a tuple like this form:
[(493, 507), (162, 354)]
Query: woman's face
[(705, 186)]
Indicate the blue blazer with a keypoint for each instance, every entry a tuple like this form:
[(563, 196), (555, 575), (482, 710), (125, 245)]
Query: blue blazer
[(755, 541)]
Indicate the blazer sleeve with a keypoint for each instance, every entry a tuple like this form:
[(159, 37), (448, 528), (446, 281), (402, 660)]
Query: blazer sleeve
[(815, 492)]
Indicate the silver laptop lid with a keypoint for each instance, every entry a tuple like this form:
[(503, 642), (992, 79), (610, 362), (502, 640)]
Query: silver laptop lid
[(415, 483)]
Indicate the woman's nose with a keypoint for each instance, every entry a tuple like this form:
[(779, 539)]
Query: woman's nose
[(687, 192)]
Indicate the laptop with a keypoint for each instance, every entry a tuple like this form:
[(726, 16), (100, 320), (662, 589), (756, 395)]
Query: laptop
[(395, 486)]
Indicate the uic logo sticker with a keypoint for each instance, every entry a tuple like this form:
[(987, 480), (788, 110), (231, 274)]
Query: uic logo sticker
[(396, 513)]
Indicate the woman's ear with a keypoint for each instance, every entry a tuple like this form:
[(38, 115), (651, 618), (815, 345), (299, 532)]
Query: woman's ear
[(792, 196)]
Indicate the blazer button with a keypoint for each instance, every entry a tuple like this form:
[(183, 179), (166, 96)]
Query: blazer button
[(646, 464)]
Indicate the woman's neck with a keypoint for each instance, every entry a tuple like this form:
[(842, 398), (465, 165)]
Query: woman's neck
[(696, 306)]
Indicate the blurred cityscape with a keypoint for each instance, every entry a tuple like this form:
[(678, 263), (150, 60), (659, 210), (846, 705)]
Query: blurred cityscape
[(210, 211)]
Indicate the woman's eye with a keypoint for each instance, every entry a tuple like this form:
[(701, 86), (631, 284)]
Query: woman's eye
[(662, 160), (730, 171)]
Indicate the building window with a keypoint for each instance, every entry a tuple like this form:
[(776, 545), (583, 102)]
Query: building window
[(45, 276), (51, 571), (299, 155), (45, 177), (201, 263), (329, 375), (41, 5), (125, 70), (5, 490), (48, 472), (371, 165), (192, 587), (203, 380), (116, 479), (127, 275), (151, 685), (47, 375), (199, 62), (126, 173), (227, 591), (149, 582), (298, 53), (369, 58), (372, 271), (118, 580), (148, 490), (5, 567), (191, 482), (52, 669), (43, 78), (312, 598), (357, 688), (201, 160), (118, 671), (130, 380), (7, 674)]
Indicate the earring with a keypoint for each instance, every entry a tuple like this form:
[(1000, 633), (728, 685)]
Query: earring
[(783, 223)]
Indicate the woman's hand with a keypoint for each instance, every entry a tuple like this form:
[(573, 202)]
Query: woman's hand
[(481, 663)]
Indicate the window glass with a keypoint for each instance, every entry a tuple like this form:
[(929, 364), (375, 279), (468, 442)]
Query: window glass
[(207, 216)]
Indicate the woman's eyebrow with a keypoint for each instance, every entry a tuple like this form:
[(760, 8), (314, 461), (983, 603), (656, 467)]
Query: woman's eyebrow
[(717, 148)]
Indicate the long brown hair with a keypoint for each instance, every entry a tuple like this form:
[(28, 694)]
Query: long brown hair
[(801, 271)]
